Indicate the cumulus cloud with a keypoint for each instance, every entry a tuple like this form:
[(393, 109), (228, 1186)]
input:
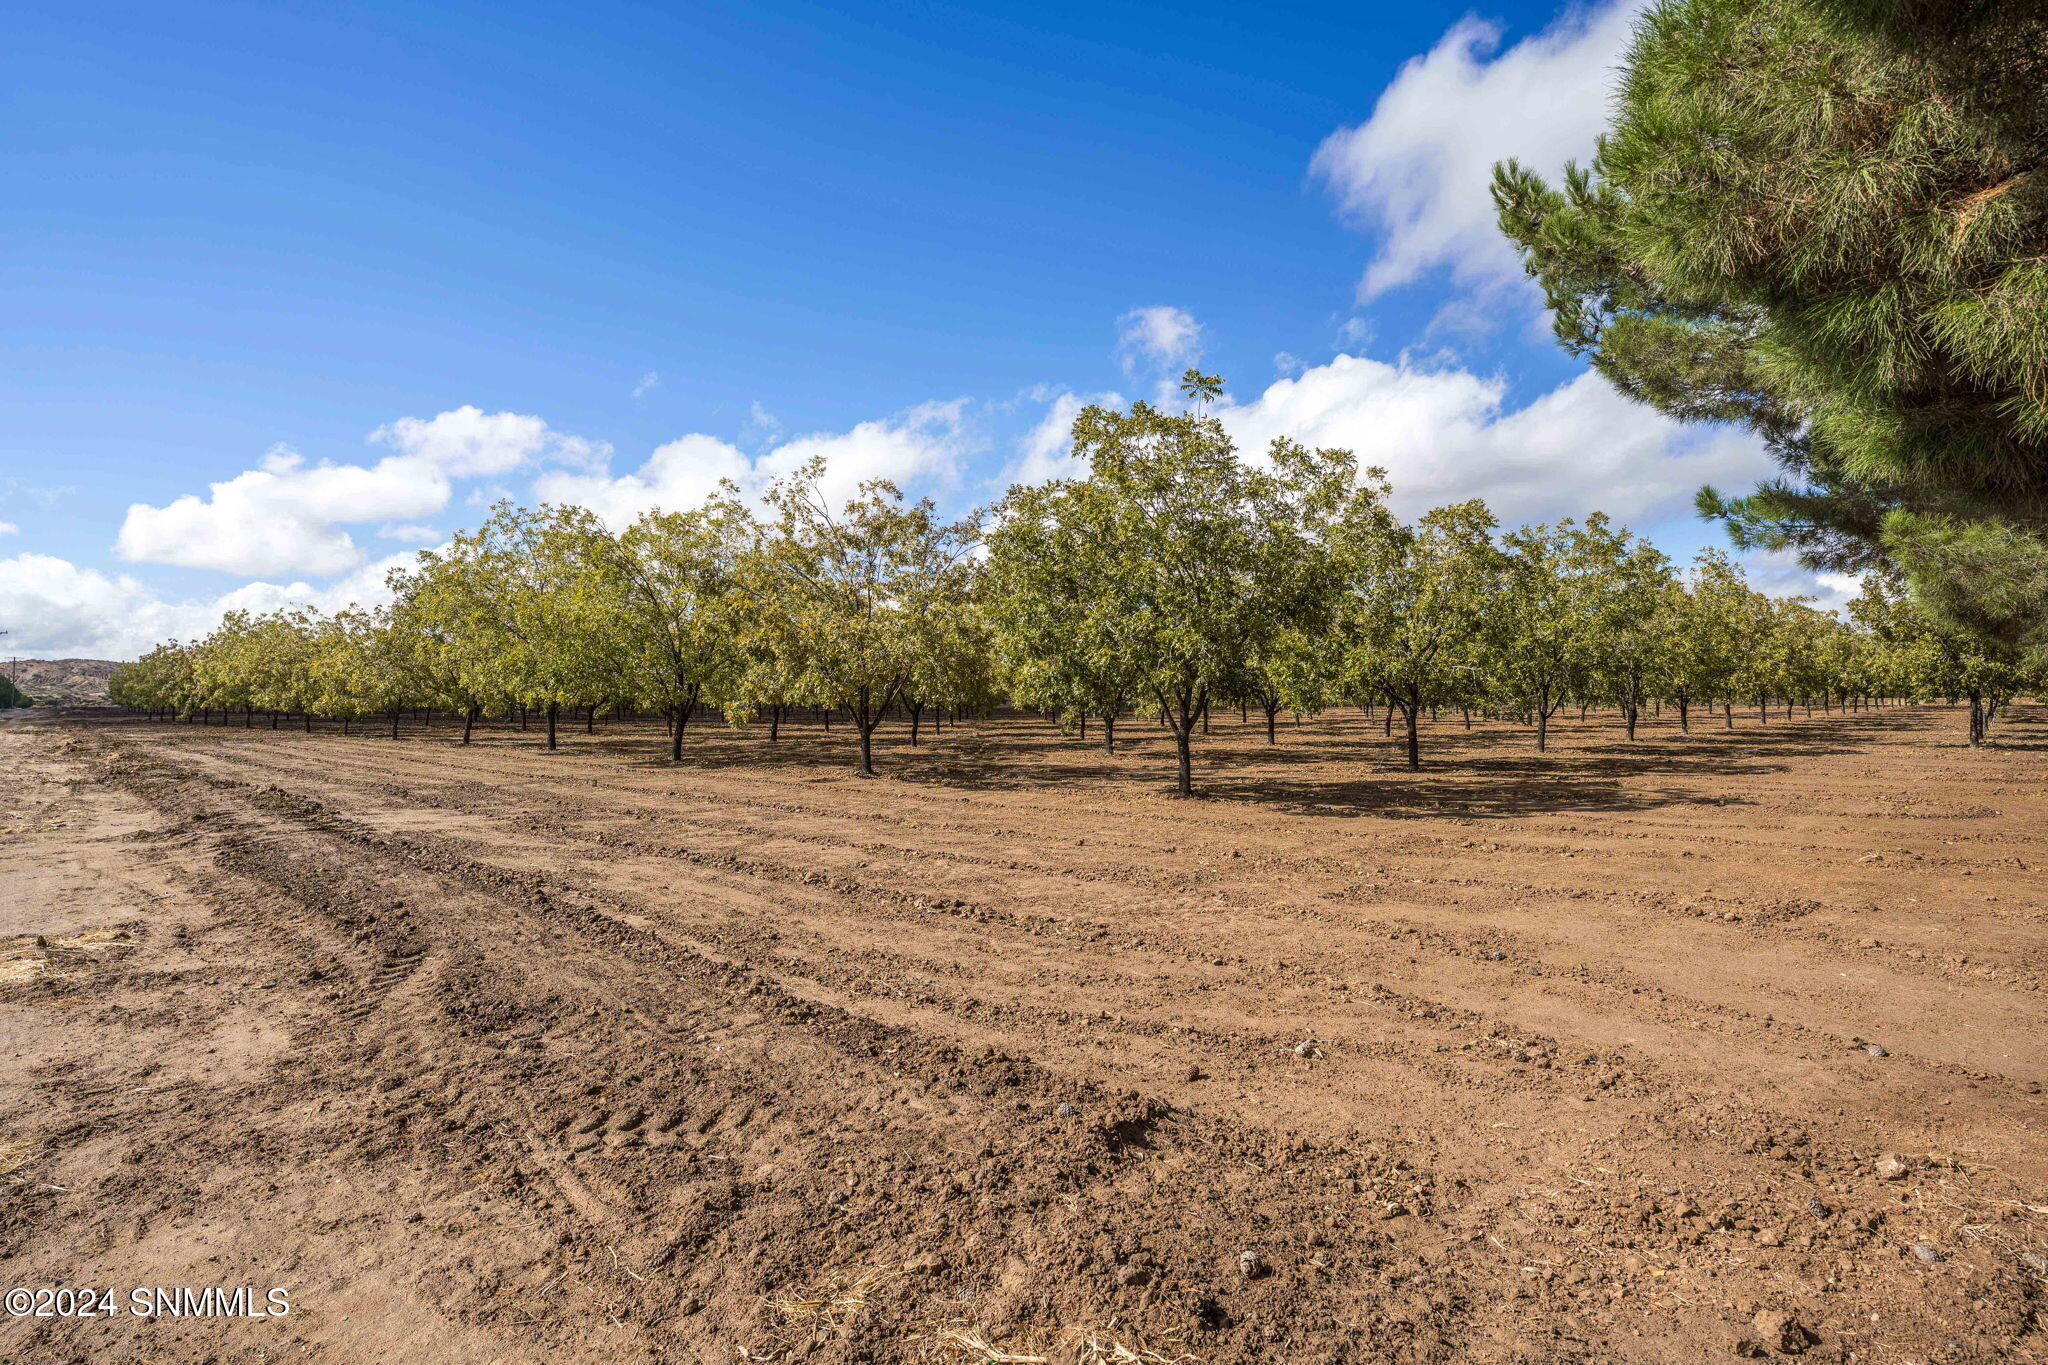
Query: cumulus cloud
[(284, 517), (1046, 451), (647, 382), (467, 441), (1781, 575), (1416, 172), (678, 475), (1444, 435), (289, 517), (8, 528), (921, 447), (57, 609), (1159, 338)]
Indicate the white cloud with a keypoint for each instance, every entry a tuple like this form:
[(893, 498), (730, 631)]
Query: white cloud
[(1287, 362), (762, 427), (1417, 171), (8, 528), (679, 474), (921, 447), (55, 609), (288, 517), (647, 382), (412, 534), (284, 517), (1046, 452), (466, 441), (1444, 435), (1781, 575), (1158, 339)]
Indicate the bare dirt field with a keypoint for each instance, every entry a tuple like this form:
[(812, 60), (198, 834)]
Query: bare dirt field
[(1678, 1051)]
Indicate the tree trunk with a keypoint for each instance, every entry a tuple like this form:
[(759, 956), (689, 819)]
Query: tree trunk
[(469, 721), (554, 709), (394, 722), (1272, 710), (309, 722), (1976, 717), (1414, 741), (1109, 732), (774, 722), (1183, 755), (273, 720), (1728, 714), (680, 715), (1543, 724), (1684, 716)]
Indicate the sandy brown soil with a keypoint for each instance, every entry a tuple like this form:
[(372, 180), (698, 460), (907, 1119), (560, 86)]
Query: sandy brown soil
[(1626, 1053)]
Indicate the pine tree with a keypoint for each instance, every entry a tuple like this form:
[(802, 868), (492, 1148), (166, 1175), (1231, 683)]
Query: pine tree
[(1823, 218)]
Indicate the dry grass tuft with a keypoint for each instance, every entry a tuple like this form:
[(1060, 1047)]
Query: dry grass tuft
[(1097, 1349), (15, 1154), (1074, 1348), (961, 1339), (837, 1300)]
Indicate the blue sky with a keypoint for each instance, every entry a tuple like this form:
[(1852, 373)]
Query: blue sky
[(367, 266)]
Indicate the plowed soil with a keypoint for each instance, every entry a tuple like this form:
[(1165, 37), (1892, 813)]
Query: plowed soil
[(1682, 1050)]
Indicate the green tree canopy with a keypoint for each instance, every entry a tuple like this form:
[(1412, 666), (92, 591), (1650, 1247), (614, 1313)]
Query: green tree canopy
[(848, 595)]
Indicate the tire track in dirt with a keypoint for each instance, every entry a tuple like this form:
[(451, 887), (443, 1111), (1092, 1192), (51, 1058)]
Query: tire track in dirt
[(1760, 1145), (272, 860), (1774, 916), (1622, 992), (552, 947)]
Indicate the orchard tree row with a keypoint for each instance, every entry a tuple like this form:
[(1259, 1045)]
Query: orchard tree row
[(1171, 578)]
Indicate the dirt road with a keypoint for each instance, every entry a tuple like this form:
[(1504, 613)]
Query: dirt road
[(1678, 1051)]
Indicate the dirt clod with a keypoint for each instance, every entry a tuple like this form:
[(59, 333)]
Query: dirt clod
[(1779, 1330)]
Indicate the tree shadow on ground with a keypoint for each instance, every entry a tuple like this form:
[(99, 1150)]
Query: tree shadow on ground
[(1340, 764), (1465, 773)]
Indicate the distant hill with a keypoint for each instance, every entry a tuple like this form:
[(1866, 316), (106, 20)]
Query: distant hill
[(61, 682)]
